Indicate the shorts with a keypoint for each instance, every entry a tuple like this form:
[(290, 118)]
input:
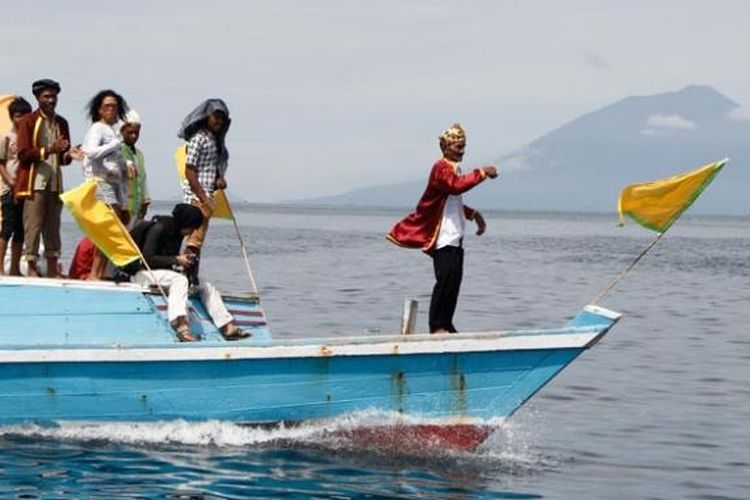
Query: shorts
[(11, 214)]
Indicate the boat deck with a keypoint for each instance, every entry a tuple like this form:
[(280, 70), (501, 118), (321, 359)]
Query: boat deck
[(59, 312)]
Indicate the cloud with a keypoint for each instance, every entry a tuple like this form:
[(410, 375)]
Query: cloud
[(594, 60), (658, 124)]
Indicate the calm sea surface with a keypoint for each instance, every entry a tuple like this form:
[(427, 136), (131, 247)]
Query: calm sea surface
[(659, 409)]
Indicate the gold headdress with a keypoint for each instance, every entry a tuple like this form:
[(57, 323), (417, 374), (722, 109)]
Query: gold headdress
[(455, 133)]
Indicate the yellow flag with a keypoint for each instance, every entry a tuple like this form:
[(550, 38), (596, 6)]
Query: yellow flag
[(100, 224), (222, 209), (5, 123), (655, 205)]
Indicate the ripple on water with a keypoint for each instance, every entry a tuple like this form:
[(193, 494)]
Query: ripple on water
[(684, 312)]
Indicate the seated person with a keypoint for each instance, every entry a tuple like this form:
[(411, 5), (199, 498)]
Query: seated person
[(160, 241), (83, 260)]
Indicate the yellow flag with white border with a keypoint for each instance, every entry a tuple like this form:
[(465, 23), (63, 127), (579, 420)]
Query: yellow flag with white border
[(100, 223), (657, 204)]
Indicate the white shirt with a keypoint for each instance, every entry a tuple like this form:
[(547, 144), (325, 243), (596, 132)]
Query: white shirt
[(453, 223), (103, 154)]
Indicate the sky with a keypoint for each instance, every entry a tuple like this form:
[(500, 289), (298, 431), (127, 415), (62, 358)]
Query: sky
[(328, 96)]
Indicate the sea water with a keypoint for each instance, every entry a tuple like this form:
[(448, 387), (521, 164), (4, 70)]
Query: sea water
[(659, 409)]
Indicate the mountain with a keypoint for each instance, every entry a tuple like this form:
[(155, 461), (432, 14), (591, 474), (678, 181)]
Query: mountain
[(583, 165)]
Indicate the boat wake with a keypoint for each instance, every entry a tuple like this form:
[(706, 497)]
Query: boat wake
[(226, 434), (370, 436)]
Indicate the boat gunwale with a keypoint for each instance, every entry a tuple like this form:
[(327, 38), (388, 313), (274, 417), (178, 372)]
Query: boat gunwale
[(571, 338), (575, 337)]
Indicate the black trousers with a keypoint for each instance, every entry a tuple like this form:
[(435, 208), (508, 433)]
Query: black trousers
[(12, 218), (448, 263)]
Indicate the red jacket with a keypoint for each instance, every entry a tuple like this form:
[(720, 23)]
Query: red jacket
[(29, 152), (420, 229)]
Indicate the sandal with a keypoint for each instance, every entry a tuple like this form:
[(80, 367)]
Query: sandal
[(183, 332), (234, 332)]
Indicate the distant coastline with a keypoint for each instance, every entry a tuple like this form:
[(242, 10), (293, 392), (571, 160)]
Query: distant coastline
[(323, 208)]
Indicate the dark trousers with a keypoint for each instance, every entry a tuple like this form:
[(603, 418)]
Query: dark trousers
[(12, 218), (448, 263)]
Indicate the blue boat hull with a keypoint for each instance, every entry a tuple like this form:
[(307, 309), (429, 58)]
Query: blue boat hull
[(72, 351), (484, 384)]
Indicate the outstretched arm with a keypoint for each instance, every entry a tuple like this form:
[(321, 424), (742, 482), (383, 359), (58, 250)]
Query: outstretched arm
[(446, 179)]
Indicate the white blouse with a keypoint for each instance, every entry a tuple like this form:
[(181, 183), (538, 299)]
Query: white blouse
[(103, 154)]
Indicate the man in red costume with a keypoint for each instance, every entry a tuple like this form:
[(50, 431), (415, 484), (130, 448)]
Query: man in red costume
[(437, 226)]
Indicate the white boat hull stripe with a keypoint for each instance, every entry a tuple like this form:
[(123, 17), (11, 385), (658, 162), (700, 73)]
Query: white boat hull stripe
[(194, 352)]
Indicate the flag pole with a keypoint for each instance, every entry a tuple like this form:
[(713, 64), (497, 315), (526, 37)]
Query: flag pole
[(153, 277), (140, 255), (148, 269), (85, 191), (245, 256), (653, 243), (627, 270)]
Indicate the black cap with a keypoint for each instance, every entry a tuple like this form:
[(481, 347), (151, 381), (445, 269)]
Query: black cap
[(38, 86), (187, 216)]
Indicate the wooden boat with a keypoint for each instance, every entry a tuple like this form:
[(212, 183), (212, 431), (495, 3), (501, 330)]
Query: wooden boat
[(99, 351)]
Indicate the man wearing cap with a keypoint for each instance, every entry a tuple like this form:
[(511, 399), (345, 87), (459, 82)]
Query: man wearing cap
[(43, 148), (437, 225)]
